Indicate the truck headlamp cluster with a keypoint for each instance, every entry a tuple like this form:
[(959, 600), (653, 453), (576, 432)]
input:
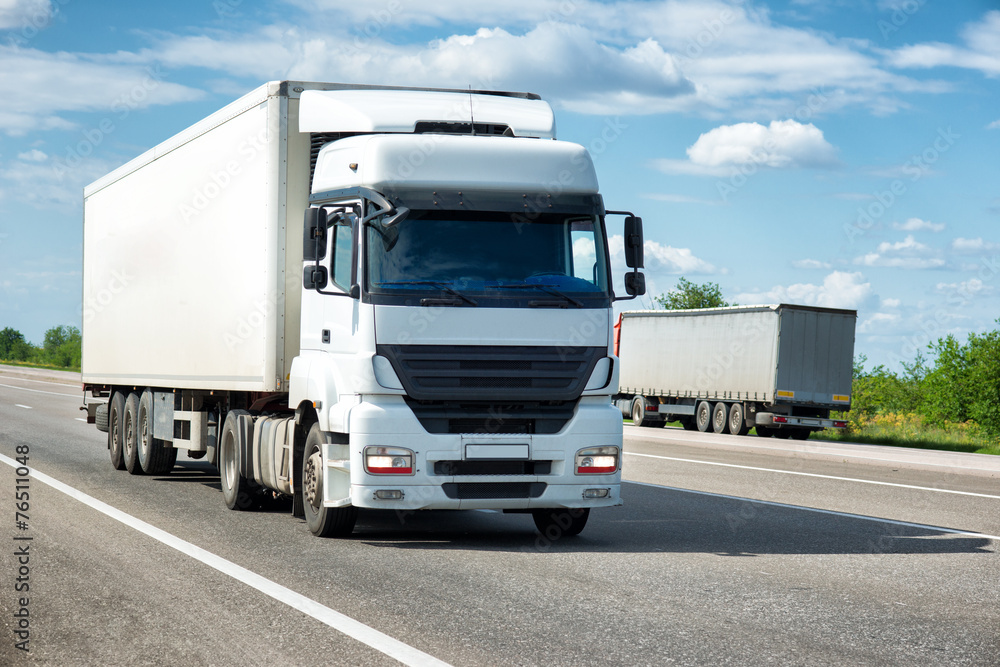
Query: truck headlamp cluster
[(388, 461), (597, 460)]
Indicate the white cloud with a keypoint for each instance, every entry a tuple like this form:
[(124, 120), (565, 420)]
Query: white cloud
[(995, 125), (980, 52), (966, 289), (974, 246), (48, 183), (839, 290), (906, 254), (891, 303), (660, 258), (15, 14), (784, 144), (34, 155), (706, 56), (877, 322), (811, 264), (916, 225), (63, 82)]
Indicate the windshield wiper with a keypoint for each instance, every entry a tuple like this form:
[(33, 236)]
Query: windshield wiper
[(545, 288), (434, 283)]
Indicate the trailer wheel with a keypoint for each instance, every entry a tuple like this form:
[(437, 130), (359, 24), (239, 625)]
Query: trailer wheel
[(703, 416), (239, 493), (720, 418), (764, 431), (154, 457), (639, 413), (130, 435), (556, 523), (737, 424), (116, 415), (322, 521), (800, 434), (689, 423)]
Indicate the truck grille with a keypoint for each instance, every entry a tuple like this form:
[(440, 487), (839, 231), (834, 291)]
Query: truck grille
[(492, 373), (459, 468), (493, 490), (498, 418)]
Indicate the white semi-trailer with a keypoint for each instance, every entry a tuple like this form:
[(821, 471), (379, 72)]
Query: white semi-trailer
[(362, 297), (780, 369)]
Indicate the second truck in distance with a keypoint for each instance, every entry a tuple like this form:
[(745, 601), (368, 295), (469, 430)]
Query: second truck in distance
[(780, 369)]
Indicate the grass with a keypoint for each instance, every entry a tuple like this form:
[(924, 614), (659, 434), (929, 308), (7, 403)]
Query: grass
[(907, 430), (910, 430), (47, 367)]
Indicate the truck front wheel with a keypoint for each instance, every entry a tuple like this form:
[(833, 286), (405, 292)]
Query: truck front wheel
[(322, 521), (556, 523)]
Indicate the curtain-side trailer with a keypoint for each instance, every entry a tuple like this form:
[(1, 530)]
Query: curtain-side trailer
[(780, 369)]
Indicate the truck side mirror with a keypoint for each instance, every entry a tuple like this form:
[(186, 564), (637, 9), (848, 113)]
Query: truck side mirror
[(314, 235), (633, 242), (315, 277), (635, 283)]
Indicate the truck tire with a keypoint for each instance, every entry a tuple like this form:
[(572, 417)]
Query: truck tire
[(239, 493), (689, 423), (737, 423), (130, 435), (154, 457), (703, 416), (101, 417), (322, 521), (800, 434), (556, 523), (764, 431), (116, 417), (720, 418)]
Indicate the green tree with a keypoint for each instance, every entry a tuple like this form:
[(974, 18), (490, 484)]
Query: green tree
[(690, 295), (62, 346), (946, 386), (983, 388), (13, 347)]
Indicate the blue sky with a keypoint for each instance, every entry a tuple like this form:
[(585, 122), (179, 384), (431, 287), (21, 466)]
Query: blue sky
[(842, 153)]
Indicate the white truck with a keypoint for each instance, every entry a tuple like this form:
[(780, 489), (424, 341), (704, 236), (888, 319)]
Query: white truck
[(362, 297), (780, 369)]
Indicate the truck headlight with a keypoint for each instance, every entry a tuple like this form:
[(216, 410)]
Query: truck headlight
[(597, 460), (388, 461)]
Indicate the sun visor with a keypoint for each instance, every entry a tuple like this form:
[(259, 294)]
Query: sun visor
[(378, 111)]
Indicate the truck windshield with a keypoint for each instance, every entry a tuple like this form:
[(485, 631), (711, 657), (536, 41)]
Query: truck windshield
[(489, 259)]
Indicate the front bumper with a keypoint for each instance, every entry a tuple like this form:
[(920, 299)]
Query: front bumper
[(388, 422)]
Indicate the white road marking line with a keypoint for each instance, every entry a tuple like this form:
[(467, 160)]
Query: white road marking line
[(784, 450), (58, 384), (80, 419), (40, 391), (26, 407), (379, 641), (812, 474), (803, 508)]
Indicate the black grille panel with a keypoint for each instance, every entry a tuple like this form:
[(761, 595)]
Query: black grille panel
[(492, 373), (457, 468), (493, 490), (501, 418)]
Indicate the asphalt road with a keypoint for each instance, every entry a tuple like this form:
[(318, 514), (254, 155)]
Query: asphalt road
[(722, 554)]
